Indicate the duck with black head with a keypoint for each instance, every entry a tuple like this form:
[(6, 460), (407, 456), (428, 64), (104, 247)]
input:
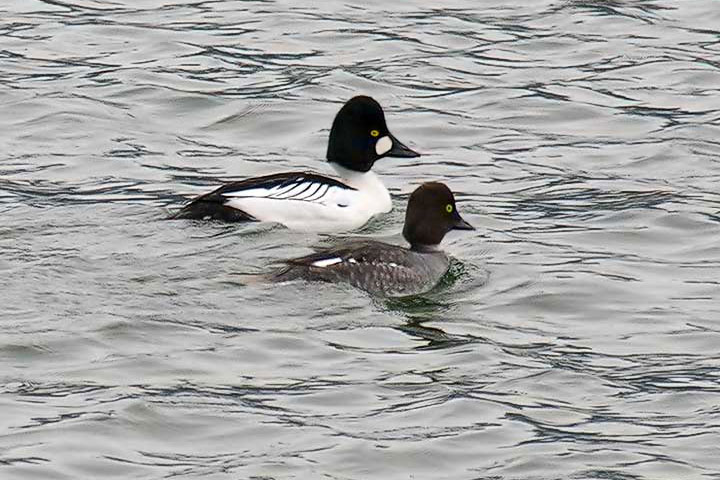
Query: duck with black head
[(308, 201)]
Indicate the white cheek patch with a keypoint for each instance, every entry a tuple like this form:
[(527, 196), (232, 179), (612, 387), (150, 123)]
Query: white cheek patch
[(326, 262), (383, 145)]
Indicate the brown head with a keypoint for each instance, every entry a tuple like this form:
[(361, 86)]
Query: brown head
[(431, 213)]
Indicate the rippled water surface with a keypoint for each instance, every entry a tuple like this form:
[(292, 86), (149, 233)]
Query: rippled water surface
[(578, 336)]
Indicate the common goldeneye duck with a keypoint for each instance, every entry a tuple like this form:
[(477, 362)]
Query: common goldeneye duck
[(390, 270), (310, 202)]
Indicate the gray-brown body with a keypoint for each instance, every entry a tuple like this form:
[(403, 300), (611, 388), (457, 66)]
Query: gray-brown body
[(376, 267)]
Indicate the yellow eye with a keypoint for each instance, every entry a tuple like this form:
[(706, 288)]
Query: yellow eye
[(374, 133), (448, 208)]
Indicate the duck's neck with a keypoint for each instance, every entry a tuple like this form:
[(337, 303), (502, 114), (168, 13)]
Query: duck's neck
[(355, 179), (422, 248)]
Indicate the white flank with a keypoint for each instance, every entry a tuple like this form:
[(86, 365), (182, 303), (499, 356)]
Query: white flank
[(321, 208), (383, 145), (352, 260), (326, 262)]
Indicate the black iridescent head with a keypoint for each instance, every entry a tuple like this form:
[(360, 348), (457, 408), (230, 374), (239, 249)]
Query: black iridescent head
[(431, 213), (359, 136)]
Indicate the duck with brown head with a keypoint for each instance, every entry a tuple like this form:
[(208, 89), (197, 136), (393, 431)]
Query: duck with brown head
[(390, 270)]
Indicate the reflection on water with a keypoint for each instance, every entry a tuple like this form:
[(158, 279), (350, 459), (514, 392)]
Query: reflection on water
[(575, 336)]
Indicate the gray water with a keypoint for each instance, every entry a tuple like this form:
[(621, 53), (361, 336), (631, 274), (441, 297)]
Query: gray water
[(578, 336)]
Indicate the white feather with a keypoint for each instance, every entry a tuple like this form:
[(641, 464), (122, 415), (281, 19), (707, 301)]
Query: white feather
[(329, 209), (383, 145), (297, 189), (326, 262), (318, 193)]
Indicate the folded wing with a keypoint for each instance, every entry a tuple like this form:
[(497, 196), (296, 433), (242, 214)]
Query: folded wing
[(264, 196)]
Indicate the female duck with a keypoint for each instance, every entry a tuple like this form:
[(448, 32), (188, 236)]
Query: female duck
[(385, 269)]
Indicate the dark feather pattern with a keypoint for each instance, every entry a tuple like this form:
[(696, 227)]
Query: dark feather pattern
[(386, 269), (376, 267)]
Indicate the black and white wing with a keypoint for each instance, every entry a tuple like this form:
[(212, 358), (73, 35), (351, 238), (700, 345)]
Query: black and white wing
[(261, 198)]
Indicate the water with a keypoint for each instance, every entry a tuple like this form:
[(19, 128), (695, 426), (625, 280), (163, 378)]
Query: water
[(578, 338)]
